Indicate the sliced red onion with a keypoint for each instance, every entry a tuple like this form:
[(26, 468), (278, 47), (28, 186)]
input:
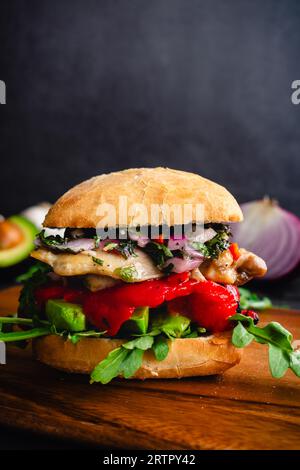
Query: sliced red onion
[(193, 253), (272, 233), (177, 244), (143, 241), (181, 265), (140, 239), (75, 246)]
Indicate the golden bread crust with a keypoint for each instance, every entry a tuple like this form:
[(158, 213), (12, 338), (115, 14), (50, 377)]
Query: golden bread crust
[(78, 207), (187, 357)]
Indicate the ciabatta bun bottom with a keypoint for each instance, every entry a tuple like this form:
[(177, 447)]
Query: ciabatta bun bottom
[(187, 357)]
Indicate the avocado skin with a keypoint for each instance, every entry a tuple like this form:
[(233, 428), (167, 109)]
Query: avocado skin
[(12, 256), (138, 323), (65, 315)]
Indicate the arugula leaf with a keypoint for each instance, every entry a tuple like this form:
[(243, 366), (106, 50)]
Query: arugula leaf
[(24, 334), (125, 360), (249, 300), (295, 362), (281, 353), (75, 337), (38, 266), (278, 361), (110, 367), (35, 277), (143, 342), (44, 327), (241, 336), (160, 348), (173, 326), (16, 321), (132, 363)]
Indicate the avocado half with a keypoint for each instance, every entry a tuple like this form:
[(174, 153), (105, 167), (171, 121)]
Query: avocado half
[(18, 253)]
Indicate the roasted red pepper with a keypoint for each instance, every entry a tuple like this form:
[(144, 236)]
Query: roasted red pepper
[(210, 305), (58, 291), (110, 308), (206, 303), (51, 291), (235, 251)]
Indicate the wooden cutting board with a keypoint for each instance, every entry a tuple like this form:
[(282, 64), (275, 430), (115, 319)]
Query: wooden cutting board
[(244, 409)]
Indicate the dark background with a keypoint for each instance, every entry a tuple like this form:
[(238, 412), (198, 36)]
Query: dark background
[(100, 85)]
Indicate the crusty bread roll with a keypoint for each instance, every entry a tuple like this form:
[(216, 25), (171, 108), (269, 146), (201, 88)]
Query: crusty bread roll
[(78, 207), (187, 357)]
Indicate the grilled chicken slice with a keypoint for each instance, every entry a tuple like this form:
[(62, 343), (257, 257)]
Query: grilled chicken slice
[(140, 267), (227, 271)]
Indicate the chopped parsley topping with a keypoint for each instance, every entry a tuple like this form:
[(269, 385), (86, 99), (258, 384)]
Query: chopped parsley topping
[(97, 260), (127, 273)]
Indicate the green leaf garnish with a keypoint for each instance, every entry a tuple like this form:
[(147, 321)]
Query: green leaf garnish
[(110, 367), (75, 337), (249, 300), (36, 276), (281, 353), (24, 334), (97, 260), (164, 327), (142, 342), (295, 362), (278, 361), (160, 348), (125, 360), (127, 273), (241, 336), (132, 363), (173, 326)]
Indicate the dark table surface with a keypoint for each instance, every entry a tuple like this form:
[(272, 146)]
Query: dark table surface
[(282, 293)]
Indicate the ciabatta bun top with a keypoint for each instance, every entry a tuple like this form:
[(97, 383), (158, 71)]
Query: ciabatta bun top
[(78, 207)]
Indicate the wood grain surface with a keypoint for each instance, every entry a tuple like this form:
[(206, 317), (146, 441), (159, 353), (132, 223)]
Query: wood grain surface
[(244, 409)]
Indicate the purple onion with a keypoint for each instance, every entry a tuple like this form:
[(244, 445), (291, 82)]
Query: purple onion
[(75, 246), (272, 233), (193, 253), (181, 265), (177, 244)]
